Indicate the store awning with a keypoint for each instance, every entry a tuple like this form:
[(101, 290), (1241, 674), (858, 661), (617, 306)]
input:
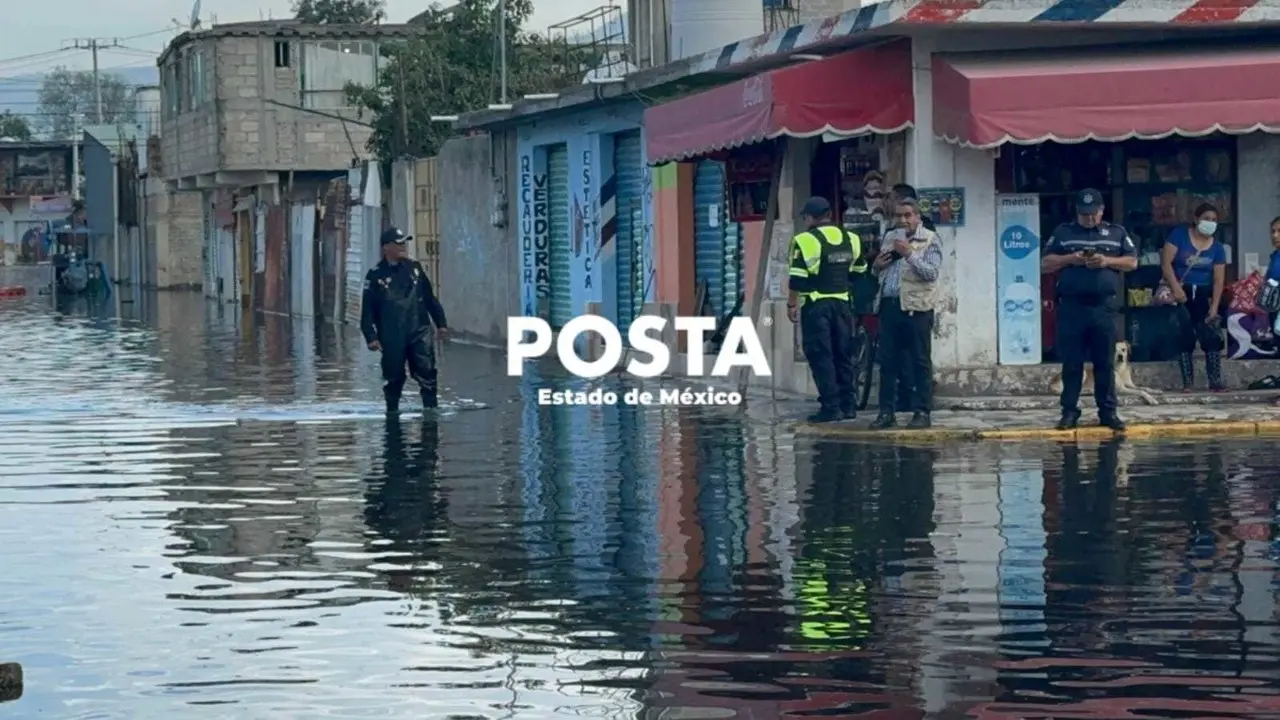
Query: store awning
[(986, 100), (862, 91)]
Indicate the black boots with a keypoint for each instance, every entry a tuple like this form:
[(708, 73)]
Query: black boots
[(392, 397), (884, 421), (1071, 419), (430, 399), (826, 415)]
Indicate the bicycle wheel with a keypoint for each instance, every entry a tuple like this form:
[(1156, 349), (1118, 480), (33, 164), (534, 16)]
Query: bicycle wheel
[(863, 362)]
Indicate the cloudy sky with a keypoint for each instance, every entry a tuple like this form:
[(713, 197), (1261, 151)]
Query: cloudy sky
[(143, 26)]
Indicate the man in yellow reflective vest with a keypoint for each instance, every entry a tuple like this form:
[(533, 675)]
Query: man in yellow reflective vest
[(822, 258)]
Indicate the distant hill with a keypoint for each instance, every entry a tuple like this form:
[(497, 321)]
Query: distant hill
[(23, 97)]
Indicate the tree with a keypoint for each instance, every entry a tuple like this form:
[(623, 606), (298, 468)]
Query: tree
[(340, 12), (67, 93), (452, 68), (14, 127)]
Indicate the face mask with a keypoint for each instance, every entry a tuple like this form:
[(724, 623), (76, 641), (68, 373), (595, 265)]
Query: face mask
[(1207, 227)]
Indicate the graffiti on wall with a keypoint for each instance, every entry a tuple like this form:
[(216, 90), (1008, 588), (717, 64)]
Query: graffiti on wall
[(649, 273), (535, 239)]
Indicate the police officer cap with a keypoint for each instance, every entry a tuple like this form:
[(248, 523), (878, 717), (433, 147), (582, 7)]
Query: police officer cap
[(1088, 201), (816, 207), (395, 235)]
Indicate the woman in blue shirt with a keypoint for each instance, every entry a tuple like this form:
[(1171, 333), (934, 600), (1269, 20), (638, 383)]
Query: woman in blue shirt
[(1273, 267), (1194, 267)]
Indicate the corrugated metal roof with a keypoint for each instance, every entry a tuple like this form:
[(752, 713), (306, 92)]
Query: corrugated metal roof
[(291, 28)]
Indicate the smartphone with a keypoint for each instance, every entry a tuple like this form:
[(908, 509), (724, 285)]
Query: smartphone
[(1089, 252)]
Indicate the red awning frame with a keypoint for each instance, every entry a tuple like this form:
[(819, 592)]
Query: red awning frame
[(1075, 95), (861, 91)]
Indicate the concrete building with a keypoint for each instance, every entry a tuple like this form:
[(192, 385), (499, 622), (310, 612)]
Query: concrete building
[(244, 102), (35, 191), (255, 118)]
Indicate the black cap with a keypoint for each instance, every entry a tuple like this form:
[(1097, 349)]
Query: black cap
[(1088, 201), (395, 235), (816, 207)]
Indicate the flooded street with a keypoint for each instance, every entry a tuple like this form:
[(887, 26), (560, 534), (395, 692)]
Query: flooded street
[(208, 517)]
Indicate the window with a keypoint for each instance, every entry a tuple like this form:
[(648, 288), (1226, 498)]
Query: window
[(282, 54), (195, 80), (329, 66), (172, 96)]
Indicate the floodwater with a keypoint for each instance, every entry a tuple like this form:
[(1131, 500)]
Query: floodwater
[(206, 517)]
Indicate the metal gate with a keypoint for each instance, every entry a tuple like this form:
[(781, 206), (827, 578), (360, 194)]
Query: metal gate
[(717, 241), (629, 204), (561, 257)]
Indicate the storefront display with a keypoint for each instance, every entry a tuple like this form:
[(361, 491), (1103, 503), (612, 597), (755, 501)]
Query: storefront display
[(1152, 187)]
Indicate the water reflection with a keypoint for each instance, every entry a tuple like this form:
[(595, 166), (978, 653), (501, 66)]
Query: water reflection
[(190, 537)]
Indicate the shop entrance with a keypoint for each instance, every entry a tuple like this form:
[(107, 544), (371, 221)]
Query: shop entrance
[(1151, 188)]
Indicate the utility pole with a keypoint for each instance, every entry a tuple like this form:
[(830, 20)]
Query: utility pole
[(93, 45), (502, 49)]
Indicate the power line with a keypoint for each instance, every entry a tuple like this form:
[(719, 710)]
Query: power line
[(93, 45)]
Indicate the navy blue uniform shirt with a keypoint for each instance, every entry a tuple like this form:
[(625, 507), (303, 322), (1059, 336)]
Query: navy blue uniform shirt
[(1087, 285)]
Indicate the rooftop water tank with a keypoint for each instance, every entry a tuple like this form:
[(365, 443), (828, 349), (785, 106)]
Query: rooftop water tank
[(698, 26)]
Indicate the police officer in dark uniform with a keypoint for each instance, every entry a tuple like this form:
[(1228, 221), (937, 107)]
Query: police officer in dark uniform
[(1092, 254), (398, 309), (822, 258)]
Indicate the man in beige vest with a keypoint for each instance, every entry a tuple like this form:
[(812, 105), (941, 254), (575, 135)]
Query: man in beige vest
[(908, 266)]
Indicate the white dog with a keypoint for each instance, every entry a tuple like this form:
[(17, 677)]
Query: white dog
[(1123, 374)]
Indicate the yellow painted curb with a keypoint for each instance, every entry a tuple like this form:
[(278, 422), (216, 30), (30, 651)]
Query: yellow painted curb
[(1027, 434), (1230, 428)]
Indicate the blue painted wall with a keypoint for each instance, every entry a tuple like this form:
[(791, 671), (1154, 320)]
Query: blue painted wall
[(589, 140), (99, 197)]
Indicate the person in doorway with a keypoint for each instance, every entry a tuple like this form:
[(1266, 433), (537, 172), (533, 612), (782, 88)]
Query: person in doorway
[(1194, 266), (398, 309), (898, 193), (903, 191), (908, 264), (1091, 255), (822, 258)]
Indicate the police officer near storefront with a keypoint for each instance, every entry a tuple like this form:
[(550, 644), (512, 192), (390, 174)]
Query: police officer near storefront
[(1091, 254), (823, 257), (397, 312)]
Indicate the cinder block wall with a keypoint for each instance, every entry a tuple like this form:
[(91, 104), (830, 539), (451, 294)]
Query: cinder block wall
[(259, 134), (479, 273)]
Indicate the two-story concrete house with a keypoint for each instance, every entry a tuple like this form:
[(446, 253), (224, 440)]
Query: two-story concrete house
[(255, 113)]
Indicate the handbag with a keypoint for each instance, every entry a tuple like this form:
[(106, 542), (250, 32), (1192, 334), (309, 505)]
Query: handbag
[(1269, 297), (1164, 293)]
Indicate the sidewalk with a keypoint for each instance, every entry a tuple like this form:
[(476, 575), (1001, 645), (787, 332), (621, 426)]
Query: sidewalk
[(1026, 418)]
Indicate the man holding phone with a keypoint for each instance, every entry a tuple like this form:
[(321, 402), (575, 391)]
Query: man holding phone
[(1091, 254)]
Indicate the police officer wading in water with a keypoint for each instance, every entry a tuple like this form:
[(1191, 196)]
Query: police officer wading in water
[(1092, 254), (822, 258), (398, 309)]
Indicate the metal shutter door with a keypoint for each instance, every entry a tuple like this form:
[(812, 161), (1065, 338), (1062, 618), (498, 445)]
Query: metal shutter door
[(709, 230), (558, 229), (732, 261), (627, 161)]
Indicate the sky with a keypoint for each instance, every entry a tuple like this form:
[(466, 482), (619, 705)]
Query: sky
[(144, 26)]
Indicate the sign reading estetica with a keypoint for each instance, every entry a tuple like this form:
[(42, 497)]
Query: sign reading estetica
[(741, 346)]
